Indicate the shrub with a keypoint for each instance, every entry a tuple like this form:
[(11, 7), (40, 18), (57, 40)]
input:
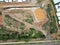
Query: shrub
[(0, 13)]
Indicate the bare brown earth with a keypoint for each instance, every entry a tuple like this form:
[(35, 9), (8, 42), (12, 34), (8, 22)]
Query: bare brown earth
[(41, 16)]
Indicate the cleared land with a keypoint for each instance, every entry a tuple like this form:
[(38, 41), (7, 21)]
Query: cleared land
[(21, 23)]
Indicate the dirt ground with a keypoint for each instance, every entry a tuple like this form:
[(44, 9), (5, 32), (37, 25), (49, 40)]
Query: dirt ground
[(40, 14)]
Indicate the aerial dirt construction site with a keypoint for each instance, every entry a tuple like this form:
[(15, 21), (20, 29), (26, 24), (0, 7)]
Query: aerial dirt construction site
[(29, 20)]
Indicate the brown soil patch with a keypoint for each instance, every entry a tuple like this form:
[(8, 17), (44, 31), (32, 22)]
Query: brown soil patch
[(40, 14)]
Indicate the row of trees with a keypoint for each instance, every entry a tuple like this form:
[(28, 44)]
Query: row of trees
[(52, 21), (0, 13)]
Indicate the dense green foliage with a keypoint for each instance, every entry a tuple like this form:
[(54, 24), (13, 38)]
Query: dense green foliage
[(39, 1), (26, 36), (0, 13)]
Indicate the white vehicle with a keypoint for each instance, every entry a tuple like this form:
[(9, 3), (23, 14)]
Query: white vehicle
[(8, 0)]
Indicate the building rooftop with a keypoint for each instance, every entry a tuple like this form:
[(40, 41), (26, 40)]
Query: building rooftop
[(56, 1), (57, 7), (58, 18), (15, 0), (1, 0), (59, 22), (58, 14)]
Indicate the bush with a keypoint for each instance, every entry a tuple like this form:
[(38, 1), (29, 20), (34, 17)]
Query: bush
[(0, 13), (39, 1)]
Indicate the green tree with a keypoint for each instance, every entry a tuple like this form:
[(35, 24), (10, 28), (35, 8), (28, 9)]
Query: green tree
[(39, 1), (0, 13)]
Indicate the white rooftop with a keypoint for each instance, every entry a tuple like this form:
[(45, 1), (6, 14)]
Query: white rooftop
[(1, 0), (24, 0), (57, 7), (6, 0), (56, 1), (19, 0), (58, 18), (59, 22), (15, 0), (58, 14), (10, 0)]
